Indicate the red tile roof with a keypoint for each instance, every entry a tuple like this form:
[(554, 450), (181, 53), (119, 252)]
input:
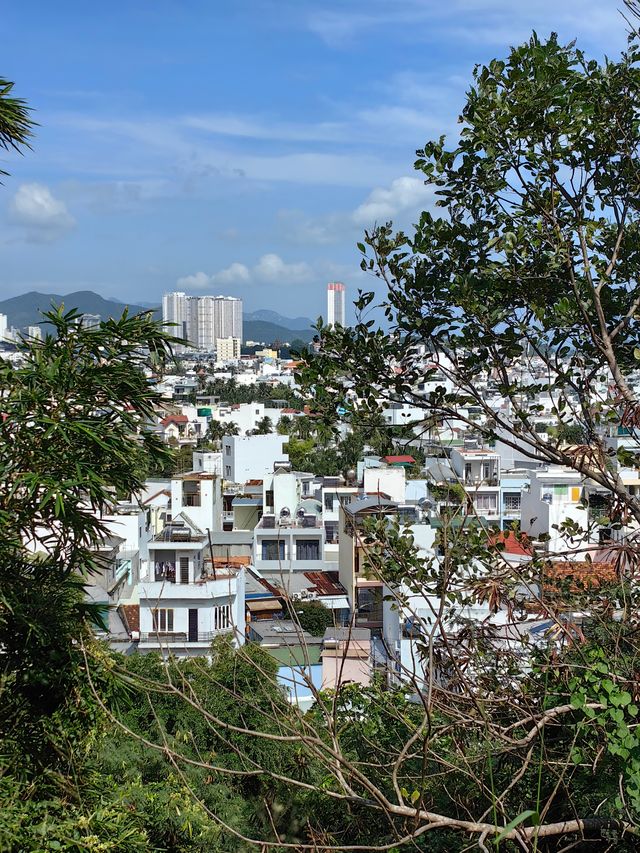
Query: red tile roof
[(130, 614), (174, 419), (391, 460), (514, 544), (585, 575)]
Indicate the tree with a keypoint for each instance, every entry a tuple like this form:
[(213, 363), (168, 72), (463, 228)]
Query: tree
[(217, 430), (16, 124), (528, 281), (264, 426), (74, 437), (311, 616)]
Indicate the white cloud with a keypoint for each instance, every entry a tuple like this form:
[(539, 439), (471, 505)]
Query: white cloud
[(44, 217), (196, 281), (384, 203), (270, 269), (494, 22), (234, 274)]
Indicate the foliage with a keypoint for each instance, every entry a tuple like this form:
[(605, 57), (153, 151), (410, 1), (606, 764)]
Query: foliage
[(229, 391), (73, 439), (527, 285), (312, 616), (16, 124)]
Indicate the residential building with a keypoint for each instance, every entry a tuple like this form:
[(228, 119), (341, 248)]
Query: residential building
[(346, 657), (227, 349), (333, 494), (335, 303), (554, 495), (478, 470), (202, 320), (290, 535), (364, 590), (198, 495), (186, 601), (90, 321), (33, 333), (511, 485), (174, 310), (251, 457)]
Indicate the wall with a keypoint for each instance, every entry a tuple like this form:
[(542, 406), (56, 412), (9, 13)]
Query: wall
[(251, 457), (391, 481)]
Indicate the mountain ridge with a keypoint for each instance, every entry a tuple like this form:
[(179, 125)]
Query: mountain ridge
[(261, 325)]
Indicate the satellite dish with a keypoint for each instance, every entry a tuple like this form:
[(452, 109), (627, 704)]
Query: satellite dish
[(285, 512), (301, 512)]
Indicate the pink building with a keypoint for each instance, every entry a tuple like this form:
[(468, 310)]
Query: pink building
[(346, 657)]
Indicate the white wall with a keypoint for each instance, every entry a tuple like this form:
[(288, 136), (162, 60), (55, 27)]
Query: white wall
[(251, 457), (391, 481)]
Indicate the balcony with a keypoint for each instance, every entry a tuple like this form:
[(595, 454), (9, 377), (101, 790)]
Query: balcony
[(161, 638)]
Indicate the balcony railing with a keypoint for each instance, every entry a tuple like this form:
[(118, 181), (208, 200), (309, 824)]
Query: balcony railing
[(163, 637)]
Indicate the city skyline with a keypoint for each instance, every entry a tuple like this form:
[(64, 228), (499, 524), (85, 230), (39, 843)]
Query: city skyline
[(203, 320), (281, 145)]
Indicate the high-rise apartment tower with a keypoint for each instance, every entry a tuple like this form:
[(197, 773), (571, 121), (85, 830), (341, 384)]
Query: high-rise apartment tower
[(201, 320), (335, 303)]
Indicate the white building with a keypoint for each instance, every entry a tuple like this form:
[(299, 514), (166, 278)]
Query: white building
[(201, 320), (252, 457), (199, 496), (290, 534), (174, 310), (335, 303), (34, 333), (185, 601), (554, 496), (478, 470)]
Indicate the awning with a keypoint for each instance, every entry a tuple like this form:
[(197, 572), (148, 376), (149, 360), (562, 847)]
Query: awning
[(257, 605), (340, 602)]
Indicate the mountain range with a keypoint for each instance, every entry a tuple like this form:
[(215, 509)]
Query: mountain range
[(264, 325)]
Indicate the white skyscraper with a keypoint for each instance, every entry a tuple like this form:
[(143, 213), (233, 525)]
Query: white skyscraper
[(227, 317), (335, 303), (3, 327), (174, 310), (201, 320)]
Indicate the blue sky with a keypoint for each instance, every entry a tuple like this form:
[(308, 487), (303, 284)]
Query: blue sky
[(238, 146)]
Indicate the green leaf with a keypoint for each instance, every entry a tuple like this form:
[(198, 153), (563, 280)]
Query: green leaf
[(529, 813)]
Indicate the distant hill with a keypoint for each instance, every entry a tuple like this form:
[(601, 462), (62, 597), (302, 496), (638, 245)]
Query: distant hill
[(26, 310), (264, 314)]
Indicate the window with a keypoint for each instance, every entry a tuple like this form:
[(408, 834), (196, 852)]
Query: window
[(227, 449), (162, 621), (184, 570), (328, 500), (331, 532), (221, 617), (307, 549), (227, 470), (486, 503), (268, 498), (273, 549), (511, 503)]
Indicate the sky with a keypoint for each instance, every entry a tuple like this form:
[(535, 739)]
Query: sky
[(238, 146)]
